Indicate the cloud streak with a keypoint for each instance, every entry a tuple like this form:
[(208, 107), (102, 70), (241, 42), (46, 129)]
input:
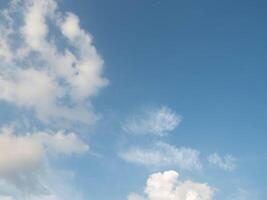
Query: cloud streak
[(161, 155), (158, 121), (226, 163)]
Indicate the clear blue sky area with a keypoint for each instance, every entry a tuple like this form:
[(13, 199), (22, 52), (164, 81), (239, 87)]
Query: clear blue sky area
[(205, 60)]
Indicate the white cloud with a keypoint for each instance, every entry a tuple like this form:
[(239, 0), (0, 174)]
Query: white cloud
[(49, 66), (52, 74), (135, 197), (226, 163), (166, 186), (18, 154), (157, 121), (2, 197), (35, 197), (61, 143), (44, 197), (35, 28), (24, 157), (162, 154)]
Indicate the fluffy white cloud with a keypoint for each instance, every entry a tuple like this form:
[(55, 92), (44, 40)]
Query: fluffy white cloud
[(22, 157), (166, 186), (18, 154), (49, 66), (162, 154), (61, 143), (52, 74), (226, 163), (35, 28), (157, 121)]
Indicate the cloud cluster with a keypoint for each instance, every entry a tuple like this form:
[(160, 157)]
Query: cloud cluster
[(157, 121), (163, 155), (48, 63), (167, 186), (49, 67), (226, 163)]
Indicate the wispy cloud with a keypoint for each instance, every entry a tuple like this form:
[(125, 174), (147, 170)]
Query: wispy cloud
[(157, 121), (161, 155), (227, 162), (243, 194)]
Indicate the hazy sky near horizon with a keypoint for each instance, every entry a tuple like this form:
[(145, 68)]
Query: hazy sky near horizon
[(133, 100)]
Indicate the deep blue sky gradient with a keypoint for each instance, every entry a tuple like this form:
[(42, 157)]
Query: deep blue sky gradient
[(206, 60)]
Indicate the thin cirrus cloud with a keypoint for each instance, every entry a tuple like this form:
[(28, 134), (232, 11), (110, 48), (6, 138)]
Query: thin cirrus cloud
[(38, 73), (243, 194), (157, 121), (163, 155), (167, 186), (227, 162)]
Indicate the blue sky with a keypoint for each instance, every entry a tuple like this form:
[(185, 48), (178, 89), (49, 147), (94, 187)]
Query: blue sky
[(172, 85)]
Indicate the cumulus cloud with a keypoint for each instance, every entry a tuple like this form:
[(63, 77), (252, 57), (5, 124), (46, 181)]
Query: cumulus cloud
[(23, 158), (18, 153), (226, 163), (167, 186), (157, 121), (48, 63), (161, 155), (49, 67)]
